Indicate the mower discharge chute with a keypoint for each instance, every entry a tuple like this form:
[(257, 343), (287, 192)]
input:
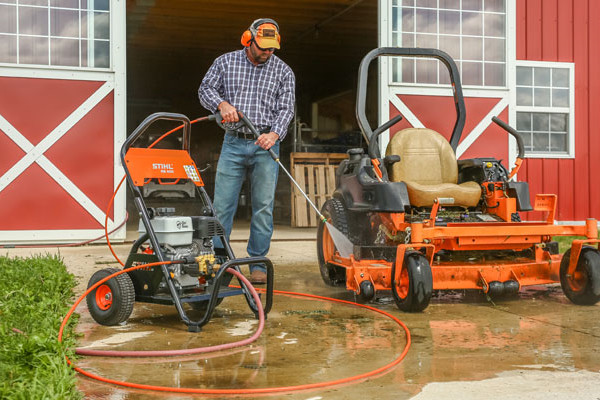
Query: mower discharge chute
[(421, 221), (197, 275)]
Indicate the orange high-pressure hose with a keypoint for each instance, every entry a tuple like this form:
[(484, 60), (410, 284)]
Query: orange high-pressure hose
[(272, 390)]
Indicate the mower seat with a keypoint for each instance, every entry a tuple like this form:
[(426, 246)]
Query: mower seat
[(429, 169)]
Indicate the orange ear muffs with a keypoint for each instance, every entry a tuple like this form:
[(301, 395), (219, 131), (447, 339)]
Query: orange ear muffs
[(246, 38), (250, 33)]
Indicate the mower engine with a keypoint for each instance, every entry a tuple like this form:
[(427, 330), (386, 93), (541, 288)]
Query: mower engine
[(189, 238)]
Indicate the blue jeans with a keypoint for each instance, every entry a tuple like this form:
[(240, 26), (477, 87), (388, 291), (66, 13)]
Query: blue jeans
[(238, 156)]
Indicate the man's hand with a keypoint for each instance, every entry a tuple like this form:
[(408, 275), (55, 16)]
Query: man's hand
[(267, 140), (228, 112)]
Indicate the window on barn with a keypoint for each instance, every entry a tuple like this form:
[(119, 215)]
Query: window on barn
[(473, 32), (70, 33), (545, 108)]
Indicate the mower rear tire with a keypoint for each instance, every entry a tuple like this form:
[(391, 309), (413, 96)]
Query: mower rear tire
[(583, 288), (413, 292), (112, 302), (335, 212)]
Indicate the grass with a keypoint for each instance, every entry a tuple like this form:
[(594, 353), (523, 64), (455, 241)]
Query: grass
[(35, 294)]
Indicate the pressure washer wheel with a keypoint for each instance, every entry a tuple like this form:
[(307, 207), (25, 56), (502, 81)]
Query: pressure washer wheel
[(583, 288), (334, 211), (112, 302), (413, 290)]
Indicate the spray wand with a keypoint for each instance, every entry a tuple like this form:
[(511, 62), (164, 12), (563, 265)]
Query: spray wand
[(342, 243)]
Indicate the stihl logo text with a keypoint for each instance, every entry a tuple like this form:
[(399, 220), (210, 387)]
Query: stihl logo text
[(164, 168)]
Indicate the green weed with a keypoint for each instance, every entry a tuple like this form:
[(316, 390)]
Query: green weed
[(35, 294)]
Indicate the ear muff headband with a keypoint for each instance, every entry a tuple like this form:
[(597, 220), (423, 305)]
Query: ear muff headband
[(250, 33)]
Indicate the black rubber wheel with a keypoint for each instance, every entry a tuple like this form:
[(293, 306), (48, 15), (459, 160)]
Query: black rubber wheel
[(413, 292), (583, 288), (367, 292), (334, 211), (112, 302)]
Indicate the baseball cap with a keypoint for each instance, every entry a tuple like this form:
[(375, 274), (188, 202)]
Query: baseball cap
[(267, 36)]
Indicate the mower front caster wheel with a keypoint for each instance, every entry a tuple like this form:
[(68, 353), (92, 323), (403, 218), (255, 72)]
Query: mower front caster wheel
[(413, 290), (583, 287), (111, 303), (367, 292)]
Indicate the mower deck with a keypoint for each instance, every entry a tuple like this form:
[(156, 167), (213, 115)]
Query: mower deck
[(464, 240)]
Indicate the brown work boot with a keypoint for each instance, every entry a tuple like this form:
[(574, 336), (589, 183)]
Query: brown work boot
[(258, 277)]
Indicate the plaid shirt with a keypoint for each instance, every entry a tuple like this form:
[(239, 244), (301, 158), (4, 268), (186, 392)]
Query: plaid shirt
[(264, 92)]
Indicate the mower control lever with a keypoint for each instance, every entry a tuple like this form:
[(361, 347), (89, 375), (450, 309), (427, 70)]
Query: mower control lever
[(374, 140), (513, 133), (390, 160)]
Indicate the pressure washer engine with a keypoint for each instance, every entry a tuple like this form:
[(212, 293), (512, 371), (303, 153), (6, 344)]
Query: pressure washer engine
[(187, 238), (193, 269)]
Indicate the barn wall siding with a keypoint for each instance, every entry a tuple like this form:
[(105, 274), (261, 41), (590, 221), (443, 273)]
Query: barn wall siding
[(560, 30)]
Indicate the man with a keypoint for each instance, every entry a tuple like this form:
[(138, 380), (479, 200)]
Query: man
[(259, 84)]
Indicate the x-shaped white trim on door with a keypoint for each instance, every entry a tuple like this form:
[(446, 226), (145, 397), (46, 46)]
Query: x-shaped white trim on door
[(36, 153)]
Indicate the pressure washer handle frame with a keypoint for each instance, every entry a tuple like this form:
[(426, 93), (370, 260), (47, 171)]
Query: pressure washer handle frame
[(139, 131)]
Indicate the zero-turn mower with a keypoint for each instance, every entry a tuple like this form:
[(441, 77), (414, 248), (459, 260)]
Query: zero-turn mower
[(193, 270), (419, 220)]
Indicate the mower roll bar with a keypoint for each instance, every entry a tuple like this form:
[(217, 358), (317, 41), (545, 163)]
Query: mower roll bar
[(361, 94)]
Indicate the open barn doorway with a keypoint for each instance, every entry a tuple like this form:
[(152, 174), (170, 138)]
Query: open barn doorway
[(172, 43)]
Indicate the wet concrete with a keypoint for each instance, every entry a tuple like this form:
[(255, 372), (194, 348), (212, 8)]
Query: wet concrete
[(536, 346)]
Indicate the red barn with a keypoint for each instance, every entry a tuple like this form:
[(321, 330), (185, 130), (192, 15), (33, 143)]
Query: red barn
[(63, 86), (62, 119)]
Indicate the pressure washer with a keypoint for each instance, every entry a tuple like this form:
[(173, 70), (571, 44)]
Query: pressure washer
[(194, 268)]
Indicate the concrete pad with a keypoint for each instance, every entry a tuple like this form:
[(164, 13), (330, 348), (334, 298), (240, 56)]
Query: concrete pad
[(536, 346)]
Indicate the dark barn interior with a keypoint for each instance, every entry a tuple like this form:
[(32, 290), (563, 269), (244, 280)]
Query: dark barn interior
[(171, 44)]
